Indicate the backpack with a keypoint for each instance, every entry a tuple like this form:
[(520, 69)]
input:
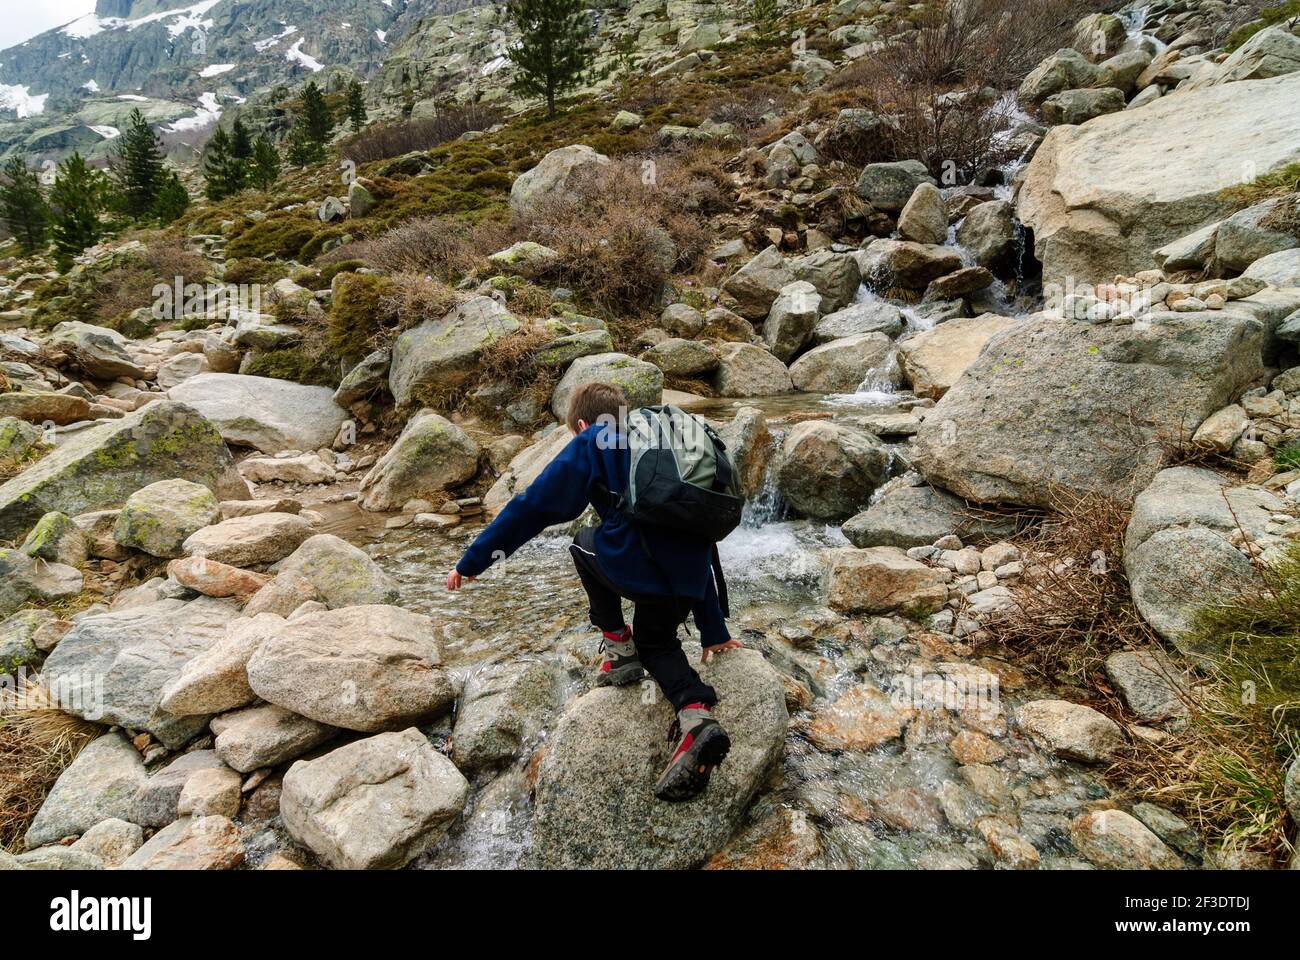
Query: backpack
[(680, 479)]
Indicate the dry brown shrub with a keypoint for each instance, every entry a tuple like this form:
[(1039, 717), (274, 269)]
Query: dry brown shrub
[(443, 249), (410, 299), (380, 141), (37, 743), (620, 232), (128, 287)]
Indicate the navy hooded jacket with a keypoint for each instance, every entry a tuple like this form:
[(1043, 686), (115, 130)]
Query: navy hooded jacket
[(595, 460)]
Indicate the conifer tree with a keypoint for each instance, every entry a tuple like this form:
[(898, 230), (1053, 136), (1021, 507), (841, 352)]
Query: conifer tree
[(316, 115), (553, 47), (356, 106), (23, 206), (223, 172), (77, 198), (264, 168), (173, 199), (300, 148), (137, 167), (241, 141)]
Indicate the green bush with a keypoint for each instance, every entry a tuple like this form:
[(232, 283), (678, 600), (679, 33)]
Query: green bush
[(293, 363), (1268, 17), (355, 318)]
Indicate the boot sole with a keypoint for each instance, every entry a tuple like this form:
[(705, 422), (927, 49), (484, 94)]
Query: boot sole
[(622, 677), (690, 775)]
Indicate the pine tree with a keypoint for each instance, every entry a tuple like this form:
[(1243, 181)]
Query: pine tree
[(241, 141), (264, 169), (137, 165), (553, 47), (316, 114), (23, 206), (300, 148), (78, 197), (356, 106), (224, 172), (173, 199), (765, 14)]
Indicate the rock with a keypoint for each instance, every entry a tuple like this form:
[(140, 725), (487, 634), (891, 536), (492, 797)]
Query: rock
[(23, 579), (556, 175), (212, 792), (1246, 237), (99, 467), (790, 322), (100, 784), (951, 287), (681, 320), (159, 518), (625, 120), (835, 276), (989, 234), (842, 366), (562, 351), (18, 647), (342, 574), (191, 843), (925, 217), (216, 680), (642, 382), (874, 316), (431, 455), (1071, 730), (609, 749), (682, 358), (861, 718), (265, 736), (1291, 789), (749, 445), (1170, 828), (888, 186), (112, 841), (58, 858), (755, 285), (99, 351), (19, 441), (367, 668), (1281, 269), (375, 804), (182, 366), (267, 414), (1178, 553), (524, 468), (1152, 687), (903, 263), (360, 200), (42, 407), (112, 667), (247, 541), (1098, 204), (917, 517), (526, 259), (1271, 52), (155, 801), (57, 539), (1080, 106), (1178, 370), (934, 359), (1115, 840), (1063, 70), (748, 370), (883, 580), (306, 468), (367, 379), (215, 579), (827, 471), (444, 354), (502, 711), (1099, 35), (1221, 429)]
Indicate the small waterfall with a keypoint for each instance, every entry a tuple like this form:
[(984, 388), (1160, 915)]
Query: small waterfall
[(765, 506)]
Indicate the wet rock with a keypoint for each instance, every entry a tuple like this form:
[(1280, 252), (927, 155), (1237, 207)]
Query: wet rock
[(755, 285), (155, 801), (100, 784), (883, 580), (905, 263), (988, 232), (749, 445), (873, 316), (374, 804), (968, 746), (158, 519), (366, 668), (951, 287), (642, 382), (842, 366), (113, 667), (112, 841), (191, 843), (827, 471), (503, 709), (783, 840), (248, 541), (99, 467), (1169, 827), (934, 359), (1071, 730), (216, 680), (270, 415), (862, 718), (607, 752), (1115, 840), (1152, 687), (265, 736), (431, 455), (443, 354), (748, 370), (1007, 844), (342, 574)]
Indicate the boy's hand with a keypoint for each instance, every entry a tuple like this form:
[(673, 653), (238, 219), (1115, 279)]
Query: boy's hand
[(455, 580), (707, 652)]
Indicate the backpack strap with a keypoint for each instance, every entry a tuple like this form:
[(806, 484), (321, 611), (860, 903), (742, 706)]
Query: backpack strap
[(720, 581)]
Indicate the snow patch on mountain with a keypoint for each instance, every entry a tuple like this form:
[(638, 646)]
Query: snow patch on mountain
[(21, 100)]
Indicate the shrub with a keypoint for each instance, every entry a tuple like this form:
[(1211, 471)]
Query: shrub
[(299, 364), (280, 236), (381, 141), (355, 320), (254, 270), (441, 248), (1242, 20)]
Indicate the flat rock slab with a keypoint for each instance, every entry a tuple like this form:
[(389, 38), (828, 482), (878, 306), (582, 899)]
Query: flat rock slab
[(100, 784), (268, 414)]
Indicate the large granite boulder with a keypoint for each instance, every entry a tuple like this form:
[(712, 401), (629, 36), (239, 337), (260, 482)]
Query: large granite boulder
[(642, 382), (268, 414), (441, 355), (1063, 404), (934, 359), (555, 175), (748, 370), (99, 467), (99, 351), (828, 471), (609, 749), (100, 784), (342, 575), (160, 517), (431, 455), (842, 366), (248, 541), (917, 517), (756, 285), (1099, 200)]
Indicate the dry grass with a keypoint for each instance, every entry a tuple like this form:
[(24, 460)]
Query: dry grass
[(37, 743), (443, 249), (380, 141)]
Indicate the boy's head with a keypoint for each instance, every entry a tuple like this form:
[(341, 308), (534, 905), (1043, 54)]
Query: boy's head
[(592, 401)]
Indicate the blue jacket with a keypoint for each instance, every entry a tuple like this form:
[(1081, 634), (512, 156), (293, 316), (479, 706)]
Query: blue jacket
[(562, 492)]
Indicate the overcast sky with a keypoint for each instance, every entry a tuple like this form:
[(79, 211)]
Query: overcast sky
[(24, 19)]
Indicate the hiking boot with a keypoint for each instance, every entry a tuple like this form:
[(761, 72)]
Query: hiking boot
[(621, 665), (701, 744)]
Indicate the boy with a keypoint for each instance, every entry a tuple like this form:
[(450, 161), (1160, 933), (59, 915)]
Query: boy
[(665, 574)]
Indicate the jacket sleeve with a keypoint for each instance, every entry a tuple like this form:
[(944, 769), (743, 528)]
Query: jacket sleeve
[(559, 494), (708, 617)]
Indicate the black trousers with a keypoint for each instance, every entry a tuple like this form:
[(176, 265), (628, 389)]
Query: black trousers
[(655, 621)]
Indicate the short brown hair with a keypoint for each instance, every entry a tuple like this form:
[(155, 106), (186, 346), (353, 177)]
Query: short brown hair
[(591, 401)]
